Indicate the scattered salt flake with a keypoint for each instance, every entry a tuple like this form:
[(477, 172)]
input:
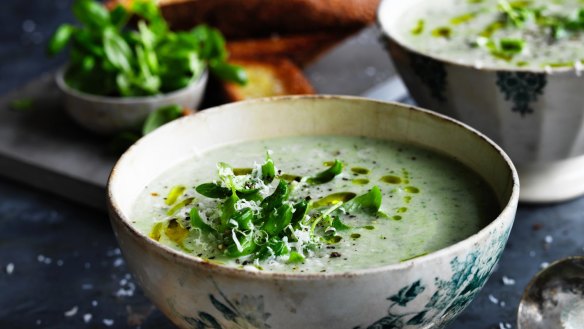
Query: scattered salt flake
[(108, 322), (9, 268), (39, 322), (493, 299), (548, 239), (72, 311), (508, 281), (502, 303), (87, 286), (44, 259), (125, 292), (370, 71), (114, 252), (94, 303), (544, 265), (532, 254), (505, 325), (87, 265), (87, 317), (28, 26), (127, 287), (60, 262), (118, 262)]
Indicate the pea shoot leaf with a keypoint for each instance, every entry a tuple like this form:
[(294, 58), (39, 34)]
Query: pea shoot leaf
[(197, 221), (60, 38), (268, 169), (369, 202), (327, 175), (213, 190), (110, 58)]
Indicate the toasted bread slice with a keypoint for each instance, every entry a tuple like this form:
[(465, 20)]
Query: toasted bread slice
[(262, 18), (268, 77), (301, 49), (301, 30)]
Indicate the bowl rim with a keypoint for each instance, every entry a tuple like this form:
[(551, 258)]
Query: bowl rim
[(201, 81), (385, 31), (115, 214)]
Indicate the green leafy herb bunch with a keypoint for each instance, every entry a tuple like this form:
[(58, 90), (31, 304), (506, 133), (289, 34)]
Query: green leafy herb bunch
[(108, 57)]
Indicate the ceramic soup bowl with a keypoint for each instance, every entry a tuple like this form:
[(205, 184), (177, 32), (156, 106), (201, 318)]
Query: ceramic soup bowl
[(109, 115), (425, 292), (535, 115)]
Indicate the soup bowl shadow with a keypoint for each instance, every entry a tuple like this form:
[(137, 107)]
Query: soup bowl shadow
[(535, 115), (424, 292)]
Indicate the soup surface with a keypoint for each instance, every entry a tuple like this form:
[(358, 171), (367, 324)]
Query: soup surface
[(498, 33), (349, 203)]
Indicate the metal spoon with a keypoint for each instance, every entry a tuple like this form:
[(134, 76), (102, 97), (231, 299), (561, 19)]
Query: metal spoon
[(555, 297)]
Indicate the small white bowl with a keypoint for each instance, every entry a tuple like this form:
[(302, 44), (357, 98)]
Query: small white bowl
[(425, 292), (535, 115), (109, 115)]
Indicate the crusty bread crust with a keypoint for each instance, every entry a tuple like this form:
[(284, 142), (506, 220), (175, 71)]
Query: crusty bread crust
[(301, 49), (263, 18), (287, 77)]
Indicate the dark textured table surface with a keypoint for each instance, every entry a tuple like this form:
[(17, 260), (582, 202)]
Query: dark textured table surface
[(59, 262)]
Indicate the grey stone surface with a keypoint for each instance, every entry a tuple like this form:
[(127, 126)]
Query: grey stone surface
[(59, 262)]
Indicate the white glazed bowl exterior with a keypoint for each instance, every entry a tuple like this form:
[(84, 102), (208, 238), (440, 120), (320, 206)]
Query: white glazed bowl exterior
[(108, 115), (426, 292), (536, 116)]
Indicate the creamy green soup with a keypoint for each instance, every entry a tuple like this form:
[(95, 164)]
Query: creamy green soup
[(350, 203), (498, 33)]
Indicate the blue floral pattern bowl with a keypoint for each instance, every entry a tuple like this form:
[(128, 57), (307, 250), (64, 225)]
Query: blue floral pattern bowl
[(424, 292), (535, 115)]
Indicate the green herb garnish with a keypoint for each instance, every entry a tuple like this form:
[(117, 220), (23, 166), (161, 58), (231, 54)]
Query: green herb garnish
[(109, 58), (327, 175), (179, 206), (268, 169), (21, 104), (369, 202), (198, 223), (516, 12), (419, 28), (271, 223), (511, 46), (174, 194), (504, 49), (464, 18), (442, 32), (213, 190)]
